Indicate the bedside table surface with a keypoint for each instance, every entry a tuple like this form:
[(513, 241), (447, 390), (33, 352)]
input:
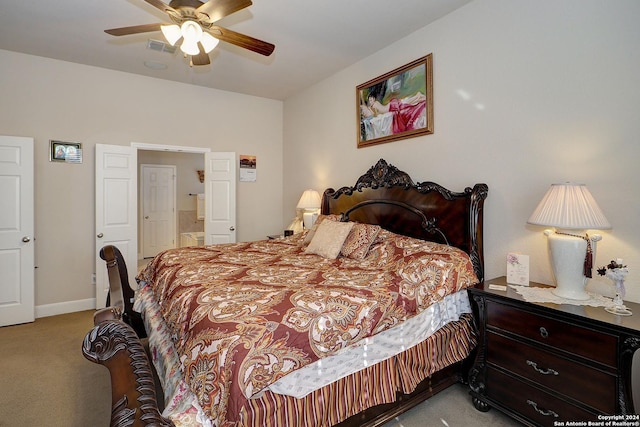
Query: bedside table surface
[(591, 313)]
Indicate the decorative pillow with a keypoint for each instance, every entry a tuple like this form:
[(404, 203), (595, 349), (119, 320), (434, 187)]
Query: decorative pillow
[(328, 239), (359, 240), (309, 236)]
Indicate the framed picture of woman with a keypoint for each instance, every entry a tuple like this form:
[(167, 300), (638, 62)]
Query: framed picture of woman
[(396, 105)]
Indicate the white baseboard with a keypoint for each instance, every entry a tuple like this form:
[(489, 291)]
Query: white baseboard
[(65, 307)]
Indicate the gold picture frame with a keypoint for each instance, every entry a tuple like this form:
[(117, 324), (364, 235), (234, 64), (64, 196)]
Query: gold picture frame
[(396, 105)]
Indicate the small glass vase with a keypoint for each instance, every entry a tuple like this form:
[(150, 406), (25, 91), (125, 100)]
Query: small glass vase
[(618, 306)]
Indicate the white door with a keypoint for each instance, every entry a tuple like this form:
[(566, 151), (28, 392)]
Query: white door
[(116, 211), (158, 208), (220, 198), (16, 231)]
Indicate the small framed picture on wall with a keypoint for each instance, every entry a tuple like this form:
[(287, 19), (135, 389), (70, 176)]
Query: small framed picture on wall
[(68, 152)]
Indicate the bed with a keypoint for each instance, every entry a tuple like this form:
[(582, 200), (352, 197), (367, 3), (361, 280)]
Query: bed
[(252, 339)]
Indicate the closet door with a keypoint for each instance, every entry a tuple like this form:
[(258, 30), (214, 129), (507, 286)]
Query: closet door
[(17, 259), (116, 211), (220, 197)]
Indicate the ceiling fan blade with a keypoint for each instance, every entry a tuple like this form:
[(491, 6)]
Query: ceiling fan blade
[(218, 9), (201, 59), (136, 29), (247, 42), (162, 6)]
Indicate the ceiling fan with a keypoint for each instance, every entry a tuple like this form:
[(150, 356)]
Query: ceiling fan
[(194, 22)]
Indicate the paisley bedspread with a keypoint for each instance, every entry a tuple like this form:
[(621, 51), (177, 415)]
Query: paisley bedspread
[(244, 315)]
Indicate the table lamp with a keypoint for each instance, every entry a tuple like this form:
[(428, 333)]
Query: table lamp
[(310, 205), (571, 210)]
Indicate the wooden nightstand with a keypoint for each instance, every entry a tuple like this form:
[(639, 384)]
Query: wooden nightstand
[(543, 363)]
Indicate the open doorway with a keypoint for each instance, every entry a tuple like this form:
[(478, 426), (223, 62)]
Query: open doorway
[(188, 190), (116, 201)]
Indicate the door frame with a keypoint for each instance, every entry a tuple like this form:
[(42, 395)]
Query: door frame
[(160, 147), (135, 147)]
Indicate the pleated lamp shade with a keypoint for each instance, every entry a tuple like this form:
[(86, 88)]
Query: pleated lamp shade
[(310, 199), (569, 206)]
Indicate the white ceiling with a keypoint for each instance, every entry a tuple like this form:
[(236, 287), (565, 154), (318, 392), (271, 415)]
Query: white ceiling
[(314, 39)]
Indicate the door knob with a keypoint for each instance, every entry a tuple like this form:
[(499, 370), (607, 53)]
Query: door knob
[(232, 228), (26, 239), (100, 236), (146, 217)]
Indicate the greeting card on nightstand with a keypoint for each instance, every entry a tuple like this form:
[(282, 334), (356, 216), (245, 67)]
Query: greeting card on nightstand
[(518, 269)]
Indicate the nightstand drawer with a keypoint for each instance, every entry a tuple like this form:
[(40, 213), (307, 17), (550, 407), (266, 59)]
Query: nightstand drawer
[(582, 383), (530, 402), (596, 346)]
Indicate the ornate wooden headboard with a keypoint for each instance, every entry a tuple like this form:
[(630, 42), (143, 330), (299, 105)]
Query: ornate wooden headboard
[(388, 197)]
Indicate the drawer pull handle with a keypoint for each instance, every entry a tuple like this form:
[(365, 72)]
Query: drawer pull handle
[(548, 371), (543, 332), (548, 413)]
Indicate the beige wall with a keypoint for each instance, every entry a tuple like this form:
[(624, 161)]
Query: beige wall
[(48, 99), (527, 93)]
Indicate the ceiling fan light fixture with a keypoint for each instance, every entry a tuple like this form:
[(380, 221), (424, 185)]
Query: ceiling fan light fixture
[(208, 42), (191, 35), (172, 33), (190, 48), (190, 20), (191, 32)]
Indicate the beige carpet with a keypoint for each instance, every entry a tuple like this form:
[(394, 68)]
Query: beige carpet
[(45, 381)]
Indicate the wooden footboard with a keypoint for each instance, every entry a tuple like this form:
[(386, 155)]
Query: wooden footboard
[(114, 344)]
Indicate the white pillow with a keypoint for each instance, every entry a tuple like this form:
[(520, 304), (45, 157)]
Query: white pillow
[(329, 238), (312, 231)]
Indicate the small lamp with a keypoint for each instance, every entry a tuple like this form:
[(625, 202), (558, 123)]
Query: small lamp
[(310, 204), (572, 210)]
